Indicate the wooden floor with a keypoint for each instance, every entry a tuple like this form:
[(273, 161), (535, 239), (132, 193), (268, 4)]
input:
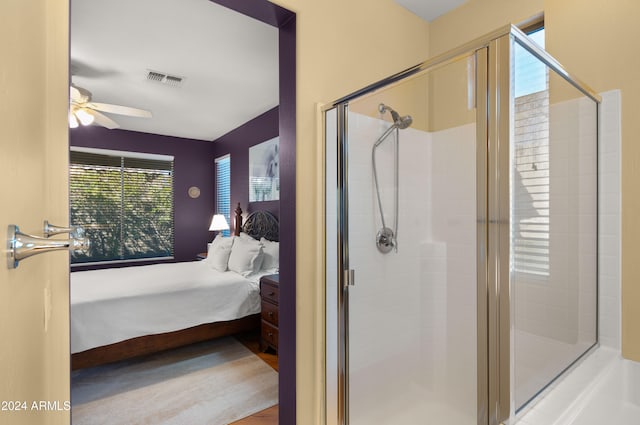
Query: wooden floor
[(251, 340), (268, 416)]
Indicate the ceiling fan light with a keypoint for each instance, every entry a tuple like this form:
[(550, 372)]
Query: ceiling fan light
[(85, 117), (73, 121)]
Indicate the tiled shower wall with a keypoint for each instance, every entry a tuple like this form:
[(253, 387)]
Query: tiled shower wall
[(413, 312), (609, 219)]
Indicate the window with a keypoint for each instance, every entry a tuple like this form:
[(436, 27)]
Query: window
[(125, 202), (531, 162), (223, 189)]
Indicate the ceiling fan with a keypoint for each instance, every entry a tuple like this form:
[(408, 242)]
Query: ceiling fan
[(83, 111)]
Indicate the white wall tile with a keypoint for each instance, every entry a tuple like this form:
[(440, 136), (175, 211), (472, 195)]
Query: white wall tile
[(609, 218)]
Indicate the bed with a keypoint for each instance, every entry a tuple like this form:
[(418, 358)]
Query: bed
[(128, 312)]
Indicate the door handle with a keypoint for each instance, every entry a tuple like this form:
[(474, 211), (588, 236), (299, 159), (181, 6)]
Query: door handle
[(52, 229), (21, 245)]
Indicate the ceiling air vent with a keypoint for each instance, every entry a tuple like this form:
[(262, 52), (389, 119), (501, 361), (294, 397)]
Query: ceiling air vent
[(169, 80)]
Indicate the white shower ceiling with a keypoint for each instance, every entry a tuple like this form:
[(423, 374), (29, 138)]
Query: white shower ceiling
[(430, 9)]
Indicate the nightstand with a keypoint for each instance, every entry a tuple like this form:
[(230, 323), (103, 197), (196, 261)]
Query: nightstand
[(269, 293)]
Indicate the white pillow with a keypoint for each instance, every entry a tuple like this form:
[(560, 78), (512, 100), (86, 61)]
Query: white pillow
[(271, 251), (219, 252), (246, 256)]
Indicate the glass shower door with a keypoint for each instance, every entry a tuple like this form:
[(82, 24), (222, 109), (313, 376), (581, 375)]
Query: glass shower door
[(554, 207), (413, 191)]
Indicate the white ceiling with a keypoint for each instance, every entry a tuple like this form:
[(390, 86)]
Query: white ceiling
[(430, 9), (229, 63)]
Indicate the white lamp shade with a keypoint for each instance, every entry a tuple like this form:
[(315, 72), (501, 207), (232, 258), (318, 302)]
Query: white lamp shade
[(218, 223)]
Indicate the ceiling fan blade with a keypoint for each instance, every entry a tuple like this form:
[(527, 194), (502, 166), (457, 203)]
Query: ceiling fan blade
[(76, 96), (79, 95), (103, 120), (118, 109)]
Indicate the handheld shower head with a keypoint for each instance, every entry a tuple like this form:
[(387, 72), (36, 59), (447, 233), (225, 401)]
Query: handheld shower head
[(398, 121), (404, 122)]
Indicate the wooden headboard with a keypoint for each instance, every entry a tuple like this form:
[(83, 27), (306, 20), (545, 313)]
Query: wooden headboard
[(259, 224)]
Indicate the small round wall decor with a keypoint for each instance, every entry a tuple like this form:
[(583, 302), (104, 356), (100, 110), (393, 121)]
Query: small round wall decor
[(194, 192)]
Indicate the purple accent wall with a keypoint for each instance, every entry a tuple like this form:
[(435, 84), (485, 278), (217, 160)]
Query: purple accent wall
[(237, 143), (193, 166)]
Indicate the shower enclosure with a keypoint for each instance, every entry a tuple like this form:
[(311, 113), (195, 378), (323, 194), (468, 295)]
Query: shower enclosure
[(486, 291)]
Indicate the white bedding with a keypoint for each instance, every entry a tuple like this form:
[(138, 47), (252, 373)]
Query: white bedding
[(113, 305)]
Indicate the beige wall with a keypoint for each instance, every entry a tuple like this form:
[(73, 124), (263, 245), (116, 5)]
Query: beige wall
[(476, 18), (34, 298), (341, 47)]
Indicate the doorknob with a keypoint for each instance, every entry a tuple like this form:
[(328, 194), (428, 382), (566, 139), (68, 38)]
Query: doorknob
[(20, 245)]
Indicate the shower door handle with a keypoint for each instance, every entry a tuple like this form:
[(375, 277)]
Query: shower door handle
[(21, 245), (349, 277)]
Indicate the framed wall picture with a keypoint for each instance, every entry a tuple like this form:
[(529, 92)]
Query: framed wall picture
[(264, 171)]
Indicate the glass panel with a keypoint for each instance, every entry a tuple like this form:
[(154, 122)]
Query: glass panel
[(553, 225), (413, 310)]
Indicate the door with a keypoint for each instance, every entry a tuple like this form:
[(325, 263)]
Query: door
[(34, 353), (410, 274)]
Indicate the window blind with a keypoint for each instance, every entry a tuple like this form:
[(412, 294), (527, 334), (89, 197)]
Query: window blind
[(531, 224), (531, 184), (223, 189), (125, 205)]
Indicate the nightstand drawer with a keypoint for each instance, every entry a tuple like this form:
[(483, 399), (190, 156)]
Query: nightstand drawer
[(269, 292), (270, 313), (270, 334)]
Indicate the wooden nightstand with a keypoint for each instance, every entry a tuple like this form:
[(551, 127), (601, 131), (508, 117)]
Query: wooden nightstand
[(269, 292)]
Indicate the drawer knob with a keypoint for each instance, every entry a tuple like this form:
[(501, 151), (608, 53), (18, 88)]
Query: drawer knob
[(270, 334), (270, 314), (271, 293)]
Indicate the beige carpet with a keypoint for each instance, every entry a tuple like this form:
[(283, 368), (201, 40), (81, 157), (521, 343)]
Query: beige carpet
[(212, 383)]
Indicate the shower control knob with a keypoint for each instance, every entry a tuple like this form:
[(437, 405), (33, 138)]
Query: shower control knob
[(385, 240)]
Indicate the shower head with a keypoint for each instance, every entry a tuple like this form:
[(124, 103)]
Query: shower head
[(398, 121), (394, 115), (403, 122)]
